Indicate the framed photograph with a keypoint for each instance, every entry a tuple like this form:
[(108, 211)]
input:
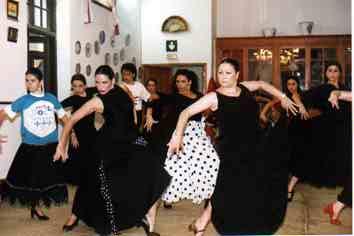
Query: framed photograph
[(108, 4), (12, 9), (12, 34)]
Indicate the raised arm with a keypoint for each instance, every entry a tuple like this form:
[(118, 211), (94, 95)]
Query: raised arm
[(94, 105), (204, 103), (261, 85)]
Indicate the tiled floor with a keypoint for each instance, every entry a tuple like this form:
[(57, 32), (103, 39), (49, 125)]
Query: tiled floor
[(304, 216)]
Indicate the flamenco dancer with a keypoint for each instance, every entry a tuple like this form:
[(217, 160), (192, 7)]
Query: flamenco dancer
[(125, 187), (249, 197)]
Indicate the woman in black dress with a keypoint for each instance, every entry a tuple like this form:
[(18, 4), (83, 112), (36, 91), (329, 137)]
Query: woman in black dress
[(80, 165), (128, 180), (83, 133), (327, 162), (249, 197)]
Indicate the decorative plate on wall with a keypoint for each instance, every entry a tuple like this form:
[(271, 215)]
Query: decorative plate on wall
[(97, 47), (88, 49), (122, 54), (77, 47), (174, 24), (77, 68), (102, 37), (107, 58), (127, 40), (134, 60), (113, 41), (88, 70), (115, 58)]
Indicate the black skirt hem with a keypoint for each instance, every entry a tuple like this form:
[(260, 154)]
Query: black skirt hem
[(26, 197)]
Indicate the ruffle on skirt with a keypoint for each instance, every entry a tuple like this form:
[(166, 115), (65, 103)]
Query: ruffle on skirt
[(34, 179)]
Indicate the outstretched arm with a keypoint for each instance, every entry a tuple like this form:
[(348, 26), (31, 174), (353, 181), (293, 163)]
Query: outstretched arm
[(95, 104), (339, 95), (261, 85), (204, 103)]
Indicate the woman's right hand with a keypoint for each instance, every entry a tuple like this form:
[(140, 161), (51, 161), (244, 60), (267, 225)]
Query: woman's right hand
[(60, 153), (74, 141), (175, 145), (289, 105)]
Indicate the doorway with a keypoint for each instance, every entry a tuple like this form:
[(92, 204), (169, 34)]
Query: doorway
[(41, 54), (163, 74)]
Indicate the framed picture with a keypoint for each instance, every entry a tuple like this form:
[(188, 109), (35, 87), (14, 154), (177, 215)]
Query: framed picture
[(12, 9), (108, 4), (12, 34)]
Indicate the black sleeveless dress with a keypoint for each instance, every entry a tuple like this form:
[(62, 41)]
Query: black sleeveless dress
[(128, 178), (250, 193)]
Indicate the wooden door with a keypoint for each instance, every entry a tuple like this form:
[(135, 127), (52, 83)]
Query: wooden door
[(162, 74)]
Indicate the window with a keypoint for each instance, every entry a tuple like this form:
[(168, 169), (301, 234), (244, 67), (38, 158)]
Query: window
[(41, 14)]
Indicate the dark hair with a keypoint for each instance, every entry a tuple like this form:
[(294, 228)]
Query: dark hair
[(129, 67), (78, 77), (190, 75), (234, 63), (333, 63), (296, 79), (105, 70), (150, 80), (35, 72)]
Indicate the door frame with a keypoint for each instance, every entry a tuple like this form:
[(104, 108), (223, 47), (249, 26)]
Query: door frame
[(204, 78)]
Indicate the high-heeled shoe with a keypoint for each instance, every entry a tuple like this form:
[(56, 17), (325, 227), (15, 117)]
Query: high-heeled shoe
[(329, 210), (291, 195), (39, 217), (146, 226), (67, 228), (193, 228)]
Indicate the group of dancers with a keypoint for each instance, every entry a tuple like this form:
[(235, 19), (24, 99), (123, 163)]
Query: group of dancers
[(154, 146)]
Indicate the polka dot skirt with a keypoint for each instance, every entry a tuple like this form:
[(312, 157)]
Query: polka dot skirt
[(195, 169)]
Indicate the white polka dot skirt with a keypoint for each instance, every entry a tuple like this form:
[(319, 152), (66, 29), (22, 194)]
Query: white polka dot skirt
[(195, 169)]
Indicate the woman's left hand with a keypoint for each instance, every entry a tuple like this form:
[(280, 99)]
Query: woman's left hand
[(289, 105), (149, 123), (60, 153), (175, 145)]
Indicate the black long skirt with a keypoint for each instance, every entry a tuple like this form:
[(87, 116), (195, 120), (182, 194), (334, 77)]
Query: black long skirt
[(124, 181), (34, 179)]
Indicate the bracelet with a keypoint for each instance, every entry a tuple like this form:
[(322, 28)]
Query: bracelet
[(283, 95)]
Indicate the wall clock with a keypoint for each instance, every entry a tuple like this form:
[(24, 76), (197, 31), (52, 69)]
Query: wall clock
[(174, 24)]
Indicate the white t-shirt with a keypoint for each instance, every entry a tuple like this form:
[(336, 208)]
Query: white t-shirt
[(139, 92)]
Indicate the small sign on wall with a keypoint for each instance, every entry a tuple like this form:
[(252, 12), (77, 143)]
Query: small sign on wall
[(171, 45)]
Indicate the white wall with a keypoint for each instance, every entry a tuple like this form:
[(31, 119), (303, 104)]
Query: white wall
[(237, 18), (71, 28), (194, 46), (13, 56), (13, 65)]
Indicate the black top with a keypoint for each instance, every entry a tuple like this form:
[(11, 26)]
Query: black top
[(85, 127), (119, 116)]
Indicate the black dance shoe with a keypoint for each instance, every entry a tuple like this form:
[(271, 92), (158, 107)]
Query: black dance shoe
[(39, 217), (167, 205), (146, 226), (67, 228)]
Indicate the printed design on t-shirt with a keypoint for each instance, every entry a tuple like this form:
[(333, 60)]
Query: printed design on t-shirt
[(39, 118)]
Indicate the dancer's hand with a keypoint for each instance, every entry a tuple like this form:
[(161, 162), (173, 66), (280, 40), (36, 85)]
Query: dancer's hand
[(74, 141), (60, 153), (333, 99), (3, 139), (149, 123), (304, 114), (175, 145), (289, 105)]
